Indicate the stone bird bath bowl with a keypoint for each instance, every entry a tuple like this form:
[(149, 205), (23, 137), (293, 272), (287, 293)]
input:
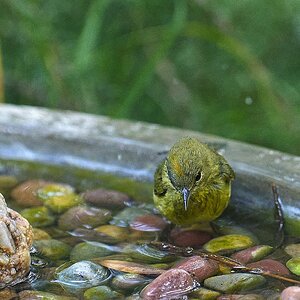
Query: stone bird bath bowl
[(78, 143)]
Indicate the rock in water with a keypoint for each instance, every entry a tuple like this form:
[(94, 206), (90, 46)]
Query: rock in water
[(15, 243)]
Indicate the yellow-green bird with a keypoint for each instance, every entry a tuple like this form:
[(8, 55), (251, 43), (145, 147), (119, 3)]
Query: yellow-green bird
[(192, 184)]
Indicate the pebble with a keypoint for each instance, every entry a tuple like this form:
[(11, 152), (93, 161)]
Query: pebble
[(101, 292), (169, 285), (205, 294), (128, 215), (39, 295), (228, 243), (25, 194), (148, 223), (270, 265), (81, 275), (106, 198), (232, 283), (90, 250), (200, 268), (189, 238), (116, 233), (290, 293), (39, 216), (39, 234), (129, 282), (58, 197), (83, 216), (147, 254), (252, 254), (52, 249), (241, 297), (294, 265), (293, 250)]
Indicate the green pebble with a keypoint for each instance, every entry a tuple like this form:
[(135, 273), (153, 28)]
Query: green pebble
[(228, 243), (43, 296), (101, 293), (59, 198), (52, 249), (145, 253), (232, 283), (39, 216), (205, 294), (294, 265), (90, 250)]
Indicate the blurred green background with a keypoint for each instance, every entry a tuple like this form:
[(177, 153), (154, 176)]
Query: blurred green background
[(229, 68)]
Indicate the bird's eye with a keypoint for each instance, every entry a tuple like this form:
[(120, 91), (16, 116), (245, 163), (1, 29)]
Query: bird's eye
[(198, 176)]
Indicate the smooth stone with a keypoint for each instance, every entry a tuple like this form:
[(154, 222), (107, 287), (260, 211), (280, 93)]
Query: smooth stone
[(146, 254), (8, 294), (228, 243), (83, 216), (252, 254), (117, 233), (92, 235), (169, 285), (90, 250), (232, 283), (59, 197), (25, 193), (290, 293), (293, 250), (127, 215), (270, 265), (294, 265), (53, 189), (39, 234), (39, 295), (148, 223), (81, 275), (52, 249), (106, 198), (241, 297), (101, 292), (189, 238), (129, 282), (200, 268), (136, 236), (39, 216), (130, 267), (205, 294)]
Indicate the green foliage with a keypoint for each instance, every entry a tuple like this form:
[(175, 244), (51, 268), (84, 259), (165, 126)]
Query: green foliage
[(230, 68)]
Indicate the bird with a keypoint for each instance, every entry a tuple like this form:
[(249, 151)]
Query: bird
[(192, 184)]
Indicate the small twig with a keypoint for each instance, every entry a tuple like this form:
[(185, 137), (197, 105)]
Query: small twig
[(233, 264), (279, 218)]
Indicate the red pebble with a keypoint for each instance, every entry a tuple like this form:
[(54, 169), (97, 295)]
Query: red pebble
[(200, 267), (189, 238), (270, 265)]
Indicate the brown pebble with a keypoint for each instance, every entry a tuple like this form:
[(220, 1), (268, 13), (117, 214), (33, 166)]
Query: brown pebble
[(25, 194), (251, 254), (189, 238), (148, 223), (169, 285), (270, 265), (199, 267), (291, 293), (106, 198)]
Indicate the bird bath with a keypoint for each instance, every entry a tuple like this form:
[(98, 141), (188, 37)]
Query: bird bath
[(87, 150)]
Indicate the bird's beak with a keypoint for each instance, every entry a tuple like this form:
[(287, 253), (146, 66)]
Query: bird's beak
[(185, 194)]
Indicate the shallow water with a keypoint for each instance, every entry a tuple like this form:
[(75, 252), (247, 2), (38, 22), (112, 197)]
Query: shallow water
[(124, 237)]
